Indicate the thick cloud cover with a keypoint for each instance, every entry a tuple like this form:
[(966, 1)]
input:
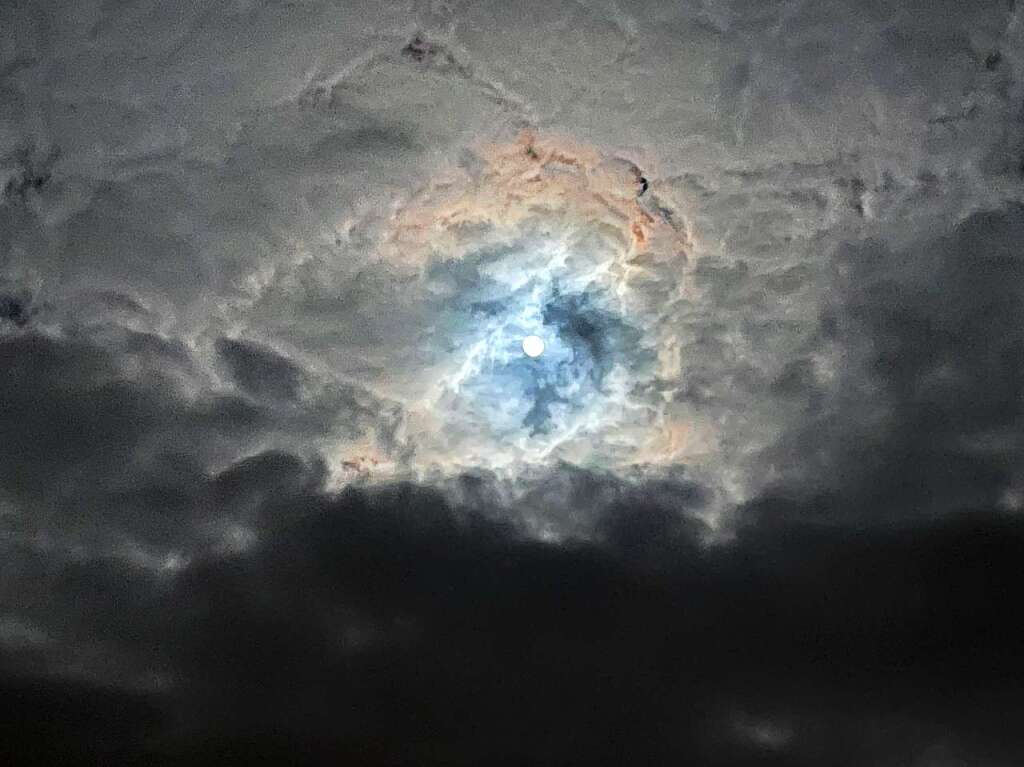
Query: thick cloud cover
[(278, 486)]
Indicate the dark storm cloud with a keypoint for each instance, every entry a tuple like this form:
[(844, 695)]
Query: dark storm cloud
[(927, 415), (71, 412), (102, 445), (14, 309), (387, 627), (67, 723), (260, 371)]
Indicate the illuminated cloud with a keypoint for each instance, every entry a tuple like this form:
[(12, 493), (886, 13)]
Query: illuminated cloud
[(540, 237)]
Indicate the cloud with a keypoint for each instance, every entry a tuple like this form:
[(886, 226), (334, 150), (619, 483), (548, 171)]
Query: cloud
[(259, 371), (924, 415), (398, 627), (63, 723), (277, 484)]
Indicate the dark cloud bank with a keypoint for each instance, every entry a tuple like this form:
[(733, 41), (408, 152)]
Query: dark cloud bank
[(392, 630)]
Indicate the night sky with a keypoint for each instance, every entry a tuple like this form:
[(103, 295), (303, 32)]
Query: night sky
[(280, 486)]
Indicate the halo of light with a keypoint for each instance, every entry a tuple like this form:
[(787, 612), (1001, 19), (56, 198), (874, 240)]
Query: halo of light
[(533, 346)]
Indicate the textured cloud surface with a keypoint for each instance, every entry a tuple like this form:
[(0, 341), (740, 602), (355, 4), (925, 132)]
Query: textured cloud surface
[(278, 484)]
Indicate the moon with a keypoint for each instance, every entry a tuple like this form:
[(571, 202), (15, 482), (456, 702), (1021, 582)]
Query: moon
[(533, 346)]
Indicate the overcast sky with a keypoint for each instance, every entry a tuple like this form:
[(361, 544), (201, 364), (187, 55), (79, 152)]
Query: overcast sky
[(278, 484)]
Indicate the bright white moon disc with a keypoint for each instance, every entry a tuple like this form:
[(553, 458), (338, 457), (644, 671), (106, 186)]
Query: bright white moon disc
[(533, 346)]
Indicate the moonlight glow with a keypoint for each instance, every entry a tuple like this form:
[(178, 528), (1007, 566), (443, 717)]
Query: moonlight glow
[(550, 238)]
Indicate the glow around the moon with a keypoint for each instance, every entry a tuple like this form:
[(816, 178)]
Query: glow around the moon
[(546, 273), (533, 346)]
